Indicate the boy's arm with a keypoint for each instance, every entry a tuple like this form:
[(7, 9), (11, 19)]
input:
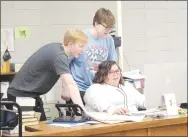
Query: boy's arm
[(69, 87), (71, 90)]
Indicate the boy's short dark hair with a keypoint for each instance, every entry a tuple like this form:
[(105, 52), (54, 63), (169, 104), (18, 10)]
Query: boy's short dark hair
[(104, 16)]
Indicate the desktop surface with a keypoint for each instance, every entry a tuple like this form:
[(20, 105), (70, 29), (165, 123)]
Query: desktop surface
[(171, 126)]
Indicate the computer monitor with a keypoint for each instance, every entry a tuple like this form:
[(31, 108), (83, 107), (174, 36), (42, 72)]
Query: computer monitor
[(165, 78)]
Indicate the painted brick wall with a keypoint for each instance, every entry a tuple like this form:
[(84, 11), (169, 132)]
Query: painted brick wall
[(47, 21), (154, 32)]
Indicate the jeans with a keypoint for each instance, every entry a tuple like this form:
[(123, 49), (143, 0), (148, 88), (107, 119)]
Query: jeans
[(38, 101)]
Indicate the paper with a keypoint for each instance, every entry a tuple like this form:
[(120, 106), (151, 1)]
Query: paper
[(137, 84), (170, 103), (108, 118), (7, 39), (22, 33), (149, 112), (134, 74), (37, 115), (67, 125), (71, 124)]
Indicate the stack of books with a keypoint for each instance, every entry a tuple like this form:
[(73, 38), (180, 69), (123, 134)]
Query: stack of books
[(30, 118)]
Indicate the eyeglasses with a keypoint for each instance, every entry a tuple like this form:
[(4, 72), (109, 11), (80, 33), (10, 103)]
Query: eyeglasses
[(106, 28), (114, 72)]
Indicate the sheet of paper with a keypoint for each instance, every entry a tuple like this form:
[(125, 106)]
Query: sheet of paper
[(170, 103), (148, 112), (134, 74), (107, 118), (137, 84), (22, 33), (71, 124), (66, 125), (7, 39)]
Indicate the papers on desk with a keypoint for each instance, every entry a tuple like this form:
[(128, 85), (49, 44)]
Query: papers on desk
[(110, 119), (153, 112), (134, 74), (99, 117), (71, 124), (135, 77)]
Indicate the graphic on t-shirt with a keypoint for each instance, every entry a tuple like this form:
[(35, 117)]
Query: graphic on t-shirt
[(95, 54)]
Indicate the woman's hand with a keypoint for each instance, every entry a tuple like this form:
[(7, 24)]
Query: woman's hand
[(121, 111)]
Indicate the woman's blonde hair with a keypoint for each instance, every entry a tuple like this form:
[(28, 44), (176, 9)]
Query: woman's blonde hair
[(74, 35)]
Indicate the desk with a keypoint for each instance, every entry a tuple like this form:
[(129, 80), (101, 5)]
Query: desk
[(174, 126)]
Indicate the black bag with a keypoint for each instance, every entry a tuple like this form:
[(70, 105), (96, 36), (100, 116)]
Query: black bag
[(6, 55), (184, 105)]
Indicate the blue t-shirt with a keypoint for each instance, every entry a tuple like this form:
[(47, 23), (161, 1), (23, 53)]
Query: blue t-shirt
[(96, 51)]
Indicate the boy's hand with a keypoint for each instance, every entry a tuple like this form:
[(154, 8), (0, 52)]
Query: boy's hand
[(65, 96)]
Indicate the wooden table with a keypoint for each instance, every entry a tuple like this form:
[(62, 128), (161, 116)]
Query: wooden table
[(174, 126)]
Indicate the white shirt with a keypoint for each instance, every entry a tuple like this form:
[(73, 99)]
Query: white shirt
[(100, 97)]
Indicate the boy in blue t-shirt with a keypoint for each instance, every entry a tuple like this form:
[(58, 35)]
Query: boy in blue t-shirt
[(100, 47)]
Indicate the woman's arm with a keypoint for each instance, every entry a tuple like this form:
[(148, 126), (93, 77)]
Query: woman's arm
[(139, 98)]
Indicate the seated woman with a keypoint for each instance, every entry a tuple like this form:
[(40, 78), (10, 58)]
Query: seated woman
[(109, 93)]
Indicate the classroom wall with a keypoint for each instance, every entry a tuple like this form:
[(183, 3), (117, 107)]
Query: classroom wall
[(154, 40), (47, 21), (154, 32)]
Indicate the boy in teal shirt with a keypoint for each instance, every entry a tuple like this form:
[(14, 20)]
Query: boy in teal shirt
[(100, 47)]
